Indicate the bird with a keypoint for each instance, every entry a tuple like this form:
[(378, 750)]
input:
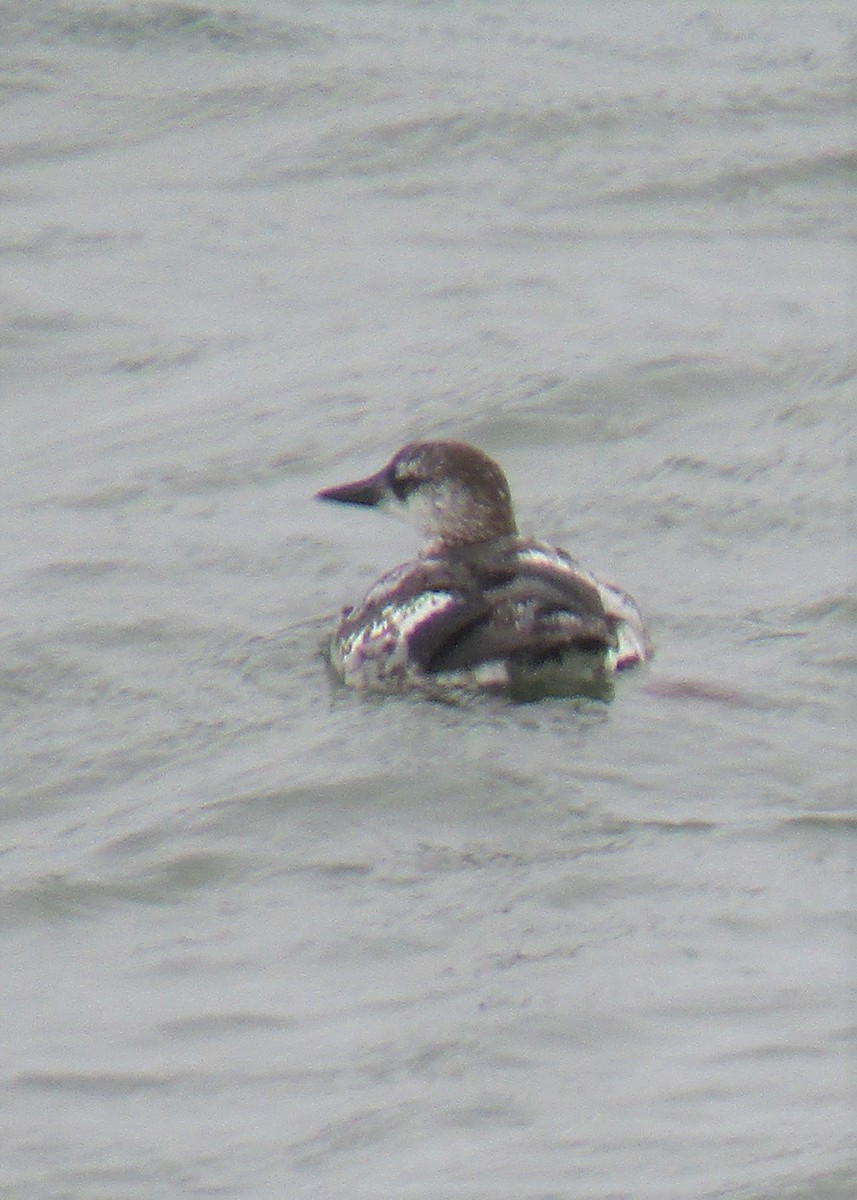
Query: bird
[(481, 609)]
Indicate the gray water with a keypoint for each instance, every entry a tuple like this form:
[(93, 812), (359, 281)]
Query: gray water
[(262, 937)]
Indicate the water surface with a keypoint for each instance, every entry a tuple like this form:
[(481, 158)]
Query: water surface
[(263, 936)]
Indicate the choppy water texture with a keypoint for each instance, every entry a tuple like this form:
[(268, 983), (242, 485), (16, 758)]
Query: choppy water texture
[(264, 938)]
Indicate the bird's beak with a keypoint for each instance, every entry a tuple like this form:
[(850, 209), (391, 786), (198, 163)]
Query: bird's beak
[(369, 492)]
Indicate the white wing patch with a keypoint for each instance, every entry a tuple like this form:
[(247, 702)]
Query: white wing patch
[(409, 616), (633, 643), (375, 655), (544, 556), (633, 640)]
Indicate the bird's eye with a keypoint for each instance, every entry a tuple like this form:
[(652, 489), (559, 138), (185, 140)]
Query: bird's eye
[(402, 484)]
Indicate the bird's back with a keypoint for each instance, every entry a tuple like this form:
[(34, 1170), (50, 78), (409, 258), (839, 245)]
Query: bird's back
[(515, 616)]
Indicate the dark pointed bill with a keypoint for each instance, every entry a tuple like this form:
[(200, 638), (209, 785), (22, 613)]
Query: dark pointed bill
[(369, 491)]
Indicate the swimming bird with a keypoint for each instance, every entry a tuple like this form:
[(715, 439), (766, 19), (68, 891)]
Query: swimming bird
[(481, 608)]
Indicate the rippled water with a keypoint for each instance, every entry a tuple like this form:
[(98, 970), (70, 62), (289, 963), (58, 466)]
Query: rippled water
[(264, 937)]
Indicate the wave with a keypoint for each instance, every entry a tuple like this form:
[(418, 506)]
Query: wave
[(151, 26)]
